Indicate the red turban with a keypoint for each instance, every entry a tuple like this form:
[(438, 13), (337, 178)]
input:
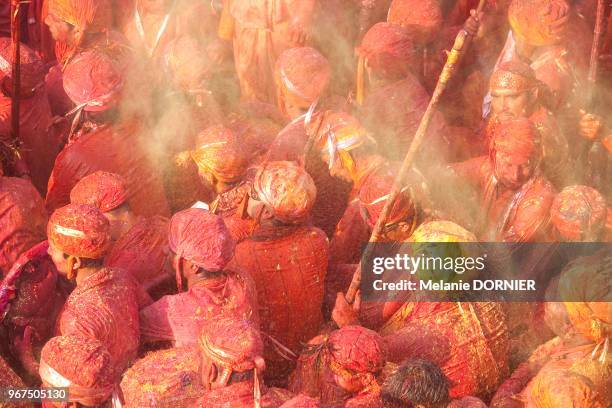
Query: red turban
[(186, 62), (287, 188), (357, 349), (93, 80), (32, 68), (578, 210), (233, 342), (374, 193), (202, 238), (529, 20), (513, 76), (81, 364), (388, 50), (517, 139), (219, 152), (105, 191), (423, 17), (303, 72), (87, 15), (79, 230)]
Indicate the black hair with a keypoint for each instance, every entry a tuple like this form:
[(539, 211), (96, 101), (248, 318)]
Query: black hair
[(416, 382)]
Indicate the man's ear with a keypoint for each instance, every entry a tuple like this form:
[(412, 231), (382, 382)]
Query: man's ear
[(77, 262)]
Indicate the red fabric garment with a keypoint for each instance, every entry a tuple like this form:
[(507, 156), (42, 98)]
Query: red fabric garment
[(104, 306), (202, 238), (23, 220), (103, 190), (163, 378), (467, 402), (469, 341), (82, 362), (352, 231), (365, 400), (79, 230), (332, 193), (58, 100), (260, 34), (288, 265), (9, 379), (32, 68), (142, 252), (181, 317), (116, 149), (41, 140), (301, 401), (392, 114), (240, 395)]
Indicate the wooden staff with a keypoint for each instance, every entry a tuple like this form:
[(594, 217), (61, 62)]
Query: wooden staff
[(462, 42), (594, 63), (16, 74)]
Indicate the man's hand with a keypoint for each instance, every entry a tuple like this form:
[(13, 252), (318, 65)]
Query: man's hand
[(345, 314), (590, 125), (473, 23)]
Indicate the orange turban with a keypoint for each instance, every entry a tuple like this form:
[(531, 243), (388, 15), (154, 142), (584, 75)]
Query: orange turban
[(423, 17), (286, 188), (32, 68), (87, 15), (388, 49), (517, 139), (529, 20), (220, 152), (82, 364), (374, 193), (563, 388), (304, 72), (356, 349), (513, 76), (79, 230), (202, 238), (93, 80), (578, 210), (105, 191)]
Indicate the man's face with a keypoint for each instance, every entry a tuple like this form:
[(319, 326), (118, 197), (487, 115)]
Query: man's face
[(352, 384), (57, 256), (512, 173), (337, 170), (60, 30), (510, 105)]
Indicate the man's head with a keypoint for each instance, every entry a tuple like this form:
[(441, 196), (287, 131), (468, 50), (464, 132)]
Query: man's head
[(79, 236), (355, 355), (338, 136), (231, 351), (423, 18), (514, 91), (83, 365), (221, 158), (200, 242), (69, 20), (388, 52), (579, 213), (302, 75), (93, 81), (516, 152), (107, 192), (538, 23), (282, 191), (416, 383)]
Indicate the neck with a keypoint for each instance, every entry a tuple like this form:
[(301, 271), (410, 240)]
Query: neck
[(84, 273)]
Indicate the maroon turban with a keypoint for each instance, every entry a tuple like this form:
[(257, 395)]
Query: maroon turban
[(103, 190), (93, 80), (202, 238), (79, 230)]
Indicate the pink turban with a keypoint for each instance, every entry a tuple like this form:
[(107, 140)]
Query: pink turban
[(202, 238), (105, 191)]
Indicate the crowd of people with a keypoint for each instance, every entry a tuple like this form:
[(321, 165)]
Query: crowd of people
[(185, 200)]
